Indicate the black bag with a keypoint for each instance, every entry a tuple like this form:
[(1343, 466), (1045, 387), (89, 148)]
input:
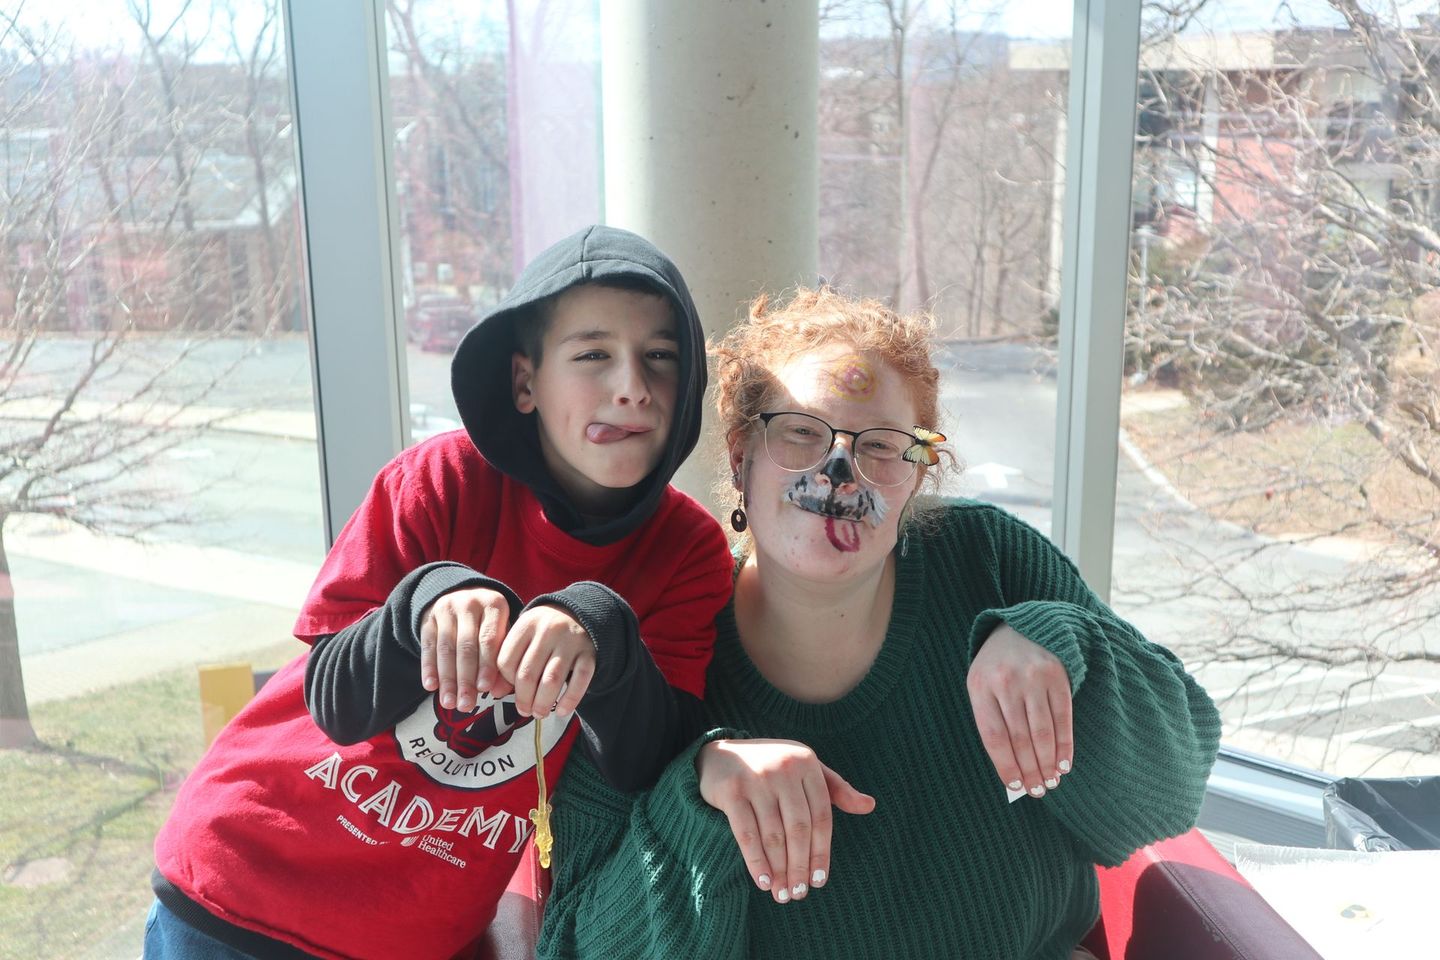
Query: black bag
[(1383, 814)]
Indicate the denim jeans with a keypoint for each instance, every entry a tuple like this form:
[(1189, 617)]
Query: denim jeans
[(167, 937)]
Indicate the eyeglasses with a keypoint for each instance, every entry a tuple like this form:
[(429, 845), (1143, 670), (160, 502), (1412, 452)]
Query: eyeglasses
[(799, 443)]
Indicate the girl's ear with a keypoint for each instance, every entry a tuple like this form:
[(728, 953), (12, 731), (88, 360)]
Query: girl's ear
[(736, 453), (522, 379)]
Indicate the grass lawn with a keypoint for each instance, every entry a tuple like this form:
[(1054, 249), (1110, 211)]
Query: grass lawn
[(1290, 480), (81, 811)]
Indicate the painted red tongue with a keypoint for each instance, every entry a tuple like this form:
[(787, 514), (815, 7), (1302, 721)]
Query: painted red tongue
[(605, 433), (845, 539)]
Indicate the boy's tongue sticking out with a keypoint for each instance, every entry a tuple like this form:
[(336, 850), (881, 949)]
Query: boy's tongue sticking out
[(609, 432)]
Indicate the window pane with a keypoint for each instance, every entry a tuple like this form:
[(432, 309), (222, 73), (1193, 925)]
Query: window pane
[(941, 187), (158, 474), (497, 139), (496, 113), (1279, 507)]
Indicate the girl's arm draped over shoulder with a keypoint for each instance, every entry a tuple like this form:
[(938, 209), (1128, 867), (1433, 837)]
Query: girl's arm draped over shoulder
[(653, 875), (1146, 733)]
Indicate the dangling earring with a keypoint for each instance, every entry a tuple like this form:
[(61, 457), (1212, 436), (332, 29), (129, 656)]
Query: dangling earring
[(738, 520)]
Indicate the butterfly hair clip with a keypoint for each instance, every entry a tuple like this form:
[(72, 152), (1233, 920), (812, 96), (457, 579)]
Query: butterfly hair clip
[(923, 449)]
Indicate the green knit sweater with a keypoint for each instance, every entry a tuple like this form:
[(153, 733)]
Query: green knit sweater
[(943, 867)]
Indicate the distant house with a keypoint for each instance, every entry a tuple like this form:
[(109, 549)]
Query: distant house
[(101, 230), (1224, 122)]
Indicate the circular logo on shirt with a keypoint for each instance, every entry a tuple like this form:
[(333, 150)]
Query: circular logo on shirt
[(475, 749)]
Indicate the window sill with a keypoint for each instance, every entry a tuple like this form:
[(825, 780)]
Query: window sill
[(1253, 798)]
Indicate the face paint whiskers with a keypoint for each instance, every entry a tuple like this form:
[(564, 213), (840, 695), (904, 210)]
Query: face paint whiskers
[(834, 492)]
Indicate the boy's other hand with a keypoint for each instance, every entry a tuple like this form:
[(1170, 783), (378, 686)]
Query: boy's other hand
[(546, 647), (460, 639)]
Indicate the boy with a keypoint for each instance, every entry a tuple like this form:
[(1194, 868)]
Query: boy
[(386, 820)]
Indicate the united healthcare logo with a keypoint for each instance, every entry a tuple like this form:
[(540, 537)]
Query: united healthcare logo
[(476, 749)]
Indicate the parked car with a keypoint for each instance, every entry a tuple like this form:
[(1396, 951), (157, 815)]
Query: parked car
[(437, 321)]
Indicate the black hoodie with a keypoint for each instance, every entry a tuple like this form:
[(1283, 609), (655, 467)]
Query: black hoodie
[(480, 373), (360, 681)]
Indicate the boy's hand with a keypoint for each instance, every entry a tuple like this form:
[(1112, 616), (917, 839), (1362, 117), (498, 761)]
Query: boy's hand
[(460, 638), (777, 796), (1020, 693), (546, 647)]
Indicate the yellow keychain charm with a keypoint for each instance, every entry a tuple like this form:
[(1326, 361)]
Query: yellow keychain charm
[(540, 816)]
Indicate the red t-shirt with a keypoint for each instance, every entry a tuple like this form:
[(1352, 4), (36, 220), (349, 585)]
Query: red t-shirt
[(401, 846)]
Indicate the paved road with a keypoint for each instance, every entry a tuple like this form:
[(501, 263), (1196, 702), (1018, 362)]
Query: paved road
[(230, 580)]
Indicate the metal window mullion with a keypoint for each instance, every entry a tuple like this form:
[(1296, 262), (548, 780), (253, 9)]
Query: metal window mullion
[(339, 90), (1103, 67), (1248, 795)]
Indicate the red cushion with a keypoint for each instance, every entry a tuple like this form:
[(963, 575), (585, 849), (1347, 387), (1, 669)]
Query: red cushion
[(1179, 899)]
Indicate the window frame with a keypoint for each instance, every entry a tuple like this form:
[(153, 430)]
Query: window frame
[(340, 93), (339, 78)]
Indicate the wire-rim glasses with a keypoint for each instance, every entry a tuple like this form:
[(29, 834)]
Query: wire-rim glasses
[(799, 442)]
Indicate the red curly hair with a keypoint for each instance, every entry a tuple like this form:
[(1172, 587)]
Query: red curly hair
[(749, 353)]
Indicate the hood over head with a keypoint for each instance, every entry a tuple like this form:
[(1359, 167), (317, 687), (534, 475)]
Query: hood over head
[(481, 380)]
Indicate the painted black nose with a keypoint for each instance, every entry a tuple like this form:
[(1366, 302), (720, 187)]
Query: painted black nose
[(837, 471)]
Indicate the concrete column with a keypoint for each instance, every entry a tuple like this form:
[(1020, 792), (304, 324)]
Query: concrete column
[(710, 110)]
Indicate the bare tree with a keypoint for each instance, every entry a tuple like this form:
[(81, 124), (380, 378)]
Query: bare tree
[(453, 165), (983, 186), (102, 241), (1293, 285), (257, 115), (936, 177)]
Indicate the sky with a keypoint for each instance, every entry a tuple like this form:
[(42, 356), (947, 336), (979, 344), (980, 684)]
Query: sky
[(98, 23)]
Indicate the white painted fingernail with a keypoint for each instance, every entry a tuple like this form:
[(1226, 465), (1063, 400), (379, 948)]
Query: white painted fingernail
[(817, 878), (1064, 766), (1037, 791), (783, 895), (799, 890), (1014, 785), (1052, 783)]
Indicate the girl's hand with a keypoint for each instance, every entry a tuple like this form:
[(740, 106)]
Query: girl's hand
[(777, 796), (1020, 693)]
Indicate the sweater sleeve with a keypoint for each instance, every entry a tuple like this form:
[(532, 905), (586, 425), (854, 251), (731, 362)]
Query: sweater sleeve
[(1146, 734), (388, 564), (653, 875), (364, 678)]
